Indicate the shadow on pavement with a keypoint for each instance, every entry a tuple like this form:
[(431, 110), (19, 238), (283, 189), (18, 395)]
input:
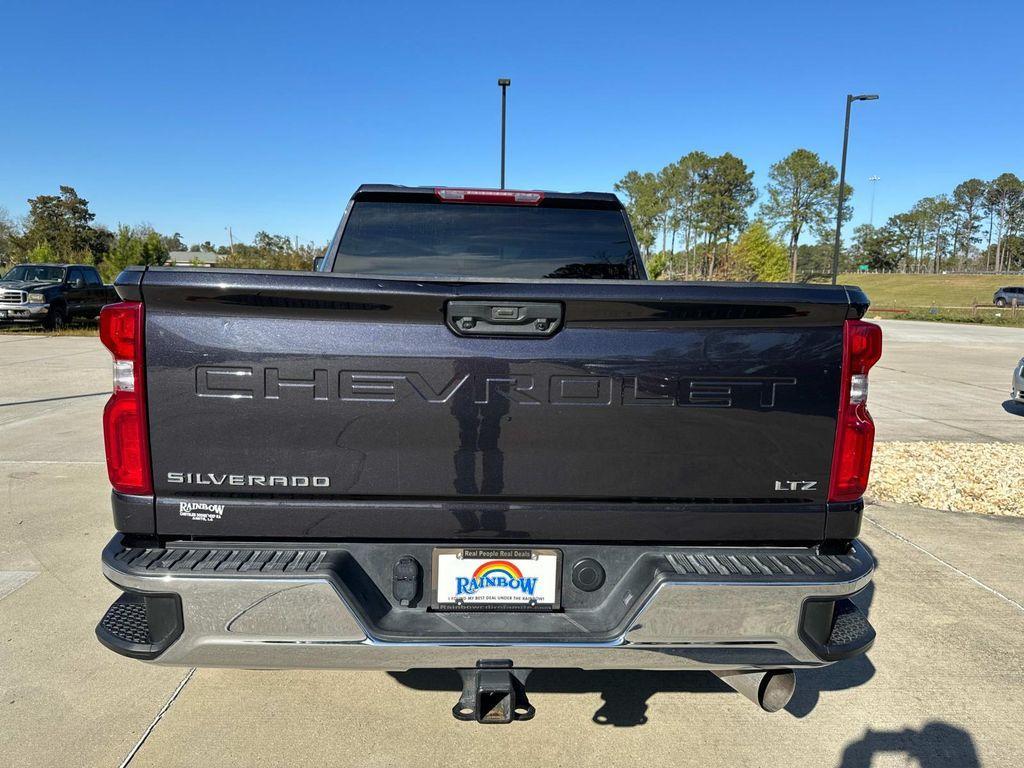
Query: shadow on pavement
[(937, 745), (1013, 407), (625, 692), (810, 683)]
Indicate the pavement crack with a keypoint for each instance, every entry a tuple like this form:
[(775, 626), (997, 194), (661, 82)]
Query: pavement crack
[(6, 462), (930, 376), (946, 563), (159, 715), (54, 399), (933, 420)]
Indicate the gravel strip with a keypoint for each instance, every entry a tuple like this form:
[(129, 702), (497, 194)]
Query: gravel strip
[(985, 478)]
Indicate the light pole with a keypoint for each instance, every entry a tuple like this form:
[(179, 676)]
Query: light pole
[(504, 82), (871, 216), (850, 98)]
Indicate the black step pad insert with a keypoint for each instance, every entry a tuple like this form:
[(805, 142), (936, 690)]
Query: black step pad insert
[(141, 626), (847, 633), (763, 564), (222, 560), (126, 620), (752, 564), (850, 626)]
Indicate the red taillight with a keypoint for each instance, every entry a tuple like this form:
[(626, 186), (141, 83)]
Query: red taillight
[(491, 196), (125, 433), (855, 432)]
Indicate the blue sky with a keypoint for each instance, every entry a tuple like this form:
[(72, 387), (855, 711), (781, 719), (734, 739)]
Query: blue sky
[(195, 116)]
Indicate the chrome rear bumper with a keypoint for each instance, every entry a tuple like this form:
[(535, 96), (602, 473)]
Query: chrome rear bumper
[(315, 617)]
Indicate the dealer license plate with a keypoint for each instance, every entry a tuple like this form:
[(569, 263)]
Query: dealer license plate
[(476, 578)]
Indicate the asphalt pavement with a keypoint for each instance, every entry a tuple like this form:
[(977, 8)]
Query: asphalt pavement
[(942, 686)]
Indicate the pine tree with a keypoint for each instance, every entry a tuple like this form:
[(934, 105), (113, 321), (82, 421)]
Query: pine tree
[(761, 255)]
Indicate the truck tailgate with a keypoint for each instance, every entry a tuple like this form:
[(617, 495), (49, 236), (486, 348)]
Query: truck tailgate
[(316, 389)]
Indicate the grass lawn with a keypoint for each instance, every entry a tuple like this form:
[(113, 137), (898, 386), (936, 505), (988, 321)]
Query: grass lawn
[(904, 291), (75, 328)]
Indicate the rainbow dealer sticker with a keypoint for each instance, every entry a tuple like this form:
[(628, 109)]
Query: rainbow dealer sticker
[(516, 579)]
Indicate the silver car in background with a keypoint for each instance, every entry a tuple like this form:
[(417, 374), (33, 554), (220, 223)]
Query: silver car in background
[(1017, 385)]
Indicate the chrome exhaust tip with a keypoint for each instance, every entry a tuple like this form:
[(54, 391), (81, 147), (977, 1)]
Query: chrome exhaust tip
[(770, 689)]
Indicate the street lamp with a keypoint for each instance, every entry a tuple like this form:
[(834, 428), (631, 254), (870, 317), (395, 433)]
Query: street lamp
[(871, 216), (850, 98), (504, 83)]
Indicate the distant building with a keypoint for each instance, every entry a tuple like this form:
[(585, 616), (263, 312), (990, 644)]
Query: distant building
[(193, 258)]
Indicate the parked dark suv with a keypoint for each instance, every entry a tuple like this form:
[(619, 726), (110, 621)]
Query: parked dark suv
[(1005, 297), (52, 294)]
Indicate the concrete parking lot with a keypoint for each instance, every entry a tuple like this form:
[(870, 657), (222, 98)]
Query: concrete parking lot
[(942, 686), (943, 381)]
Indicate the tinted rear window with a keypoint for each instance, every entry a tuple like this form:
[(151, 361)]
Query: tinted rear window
[(465, 240)]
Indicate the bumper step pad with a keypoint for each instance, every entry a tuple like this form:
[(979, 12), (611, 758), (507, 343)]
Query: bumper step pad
[(836, 630), (850, 630), (695, 564), (126, 620), (141, 626), (222, 560), (741, 565)]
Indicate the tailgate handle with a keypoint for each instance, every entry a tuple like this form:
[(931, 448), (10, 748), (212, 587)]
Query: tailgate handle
[(504, 318)]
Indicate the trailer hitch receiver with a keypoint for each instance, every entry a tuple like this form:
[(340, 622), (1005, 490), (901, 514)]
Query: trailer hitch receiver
[(493, 692)]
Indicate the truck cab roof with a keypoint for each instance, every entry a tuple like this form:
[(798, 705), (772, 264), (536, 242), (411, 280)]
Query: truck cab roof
[(396, 192)]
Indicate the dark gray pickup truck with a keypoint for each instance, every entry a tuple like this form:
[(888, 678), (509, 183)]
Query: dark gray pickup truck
[(52, 294), (478, 438)]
